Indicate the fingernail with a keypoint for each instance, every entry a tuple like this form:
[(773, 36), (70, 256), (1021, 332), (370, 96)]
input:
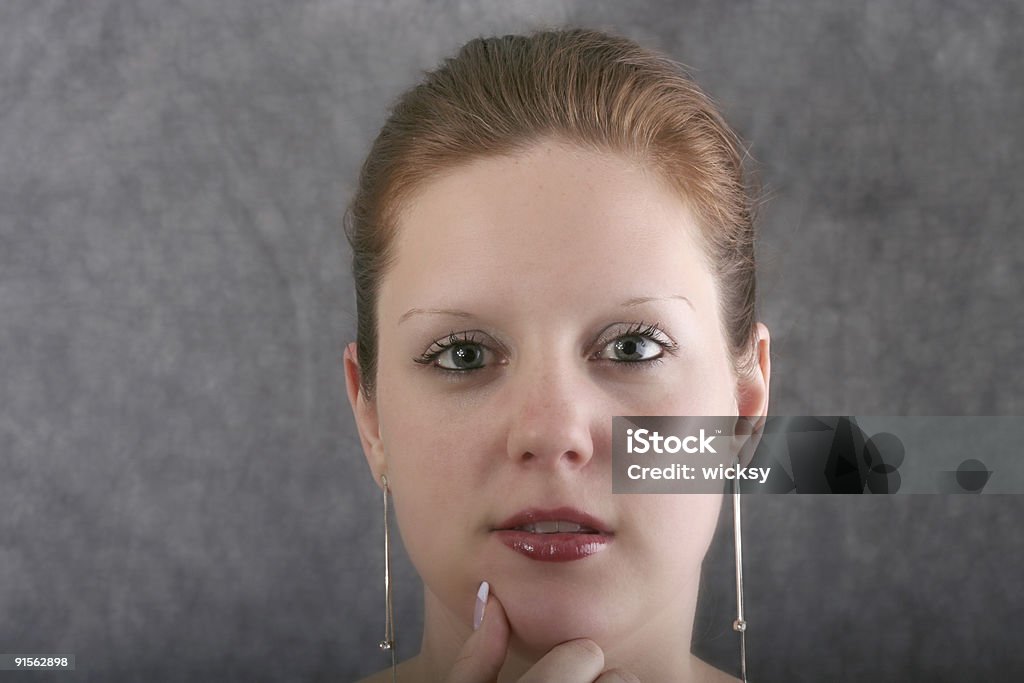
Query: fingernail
[(481, 603)]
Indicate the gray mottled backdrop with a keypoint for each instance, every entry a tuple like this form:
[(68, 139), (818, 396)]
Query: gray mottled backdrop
[(182, 496)]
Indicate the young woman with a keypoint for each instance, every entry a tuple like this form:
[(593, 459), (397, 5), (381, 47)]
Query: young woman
[(549, 231)]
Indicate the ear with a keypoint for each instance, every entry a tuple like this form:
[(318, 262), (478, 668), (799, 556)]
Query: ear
[(365, 413), (752, 391), (752, 399)]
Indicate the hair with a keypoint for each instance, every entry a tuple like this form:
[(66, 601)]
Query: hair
[(500, 95)]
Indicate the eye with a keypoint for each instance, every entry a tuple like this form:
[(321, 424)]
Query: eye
[(631, 348), (461, 357), (458, 352), (637, 344)]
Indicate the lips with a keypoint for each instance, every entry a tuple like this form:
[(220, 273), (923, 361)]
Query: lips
[(561, 534), (544, 520)]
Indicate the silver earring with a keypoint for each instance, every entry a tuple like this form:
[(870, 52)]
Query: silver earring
[(389, 620), (740, 624)]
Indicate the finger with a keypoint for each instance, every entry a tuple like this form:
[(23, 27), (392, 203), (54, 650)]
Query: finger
[(575, 661), (483, 653), (617, 676)]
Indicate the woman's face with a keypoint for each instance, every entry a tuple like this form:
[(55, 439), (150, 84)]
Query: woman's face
[(532, 298)]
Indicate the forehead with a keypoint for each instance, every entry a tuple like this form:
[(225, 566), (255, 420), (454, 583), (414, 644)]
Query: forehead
[(553, 216)]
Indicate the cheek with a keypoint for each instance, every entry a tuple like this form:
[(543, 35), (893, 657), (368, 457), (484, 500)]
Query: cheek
[(429, 442), (702, 386), (434, 488), (435, 509), (423, 453), (676, 531)]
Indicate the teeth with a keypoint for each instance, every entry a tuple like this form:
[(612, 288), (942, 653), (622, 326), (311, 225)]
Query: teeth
[(555, 527)]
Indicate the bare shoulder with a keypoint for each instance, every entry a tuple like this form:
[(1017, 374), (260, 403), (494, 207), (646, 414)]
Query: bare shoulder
[(709, 674)]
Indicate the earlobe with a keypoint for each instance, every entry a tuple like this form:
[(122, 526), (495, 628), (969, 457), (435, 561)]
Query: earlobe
[(364, 411)]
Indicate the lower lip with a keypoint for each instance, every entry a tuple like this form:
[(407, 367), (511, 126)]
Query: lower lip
[(554, 547)]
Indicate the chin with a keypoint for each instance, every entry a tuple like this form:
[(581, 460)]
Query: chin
[(542, 616)]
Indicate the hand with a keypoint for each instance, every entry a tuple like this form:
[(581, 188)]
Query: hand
[(574, 661)]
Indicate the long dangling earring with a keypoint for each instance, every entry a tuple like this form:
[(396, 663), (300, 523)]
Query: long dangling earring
[(740, 623), (389, 620)]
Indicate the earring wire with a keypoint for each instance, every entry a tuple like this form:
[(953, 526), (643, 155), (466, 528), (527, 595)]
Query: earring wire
[(389, 620), (740, 624)]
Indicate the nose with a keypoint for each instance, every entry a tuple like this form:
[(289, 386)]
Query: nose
[(552, 416)]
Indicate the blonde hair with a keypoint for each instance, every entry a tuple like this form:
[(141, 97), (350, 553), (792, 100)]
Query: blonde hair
[(499, 95)]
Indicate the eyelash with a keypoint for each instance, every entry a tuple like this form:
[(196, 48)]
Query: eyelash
[(651, 331), (439, 346)]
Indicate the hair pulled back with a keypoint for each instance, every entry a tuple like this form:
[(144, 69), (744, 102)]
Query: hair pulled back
[(600, 91)]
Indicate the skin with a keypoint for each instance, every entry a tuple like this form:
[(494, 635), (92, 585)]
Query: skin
[(546, 257)]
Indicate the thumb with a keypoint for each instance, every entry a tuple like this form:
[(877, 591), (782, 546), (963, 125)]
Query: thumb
[(483, 653)]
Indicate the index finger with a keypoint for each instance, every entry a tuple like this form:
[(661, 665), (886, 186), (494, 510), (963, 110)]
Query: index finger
[(483, 653)]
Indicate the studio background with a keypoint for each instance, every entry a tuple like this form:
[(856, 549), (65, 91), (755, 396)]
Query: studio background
[(182, 491)]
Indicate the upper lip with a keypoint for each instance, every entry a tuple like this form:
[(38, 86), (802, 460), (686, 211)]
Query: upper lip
[(533, 515)]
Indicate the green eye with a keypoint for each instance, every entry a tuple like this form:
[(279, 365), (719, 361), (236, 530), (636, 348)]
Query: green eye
[(461, 357), (458, 352)]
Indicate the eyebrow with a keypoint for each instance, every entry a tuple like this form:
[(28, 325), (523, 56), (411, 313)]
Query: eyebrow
[(637, 300), (456, 313)]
